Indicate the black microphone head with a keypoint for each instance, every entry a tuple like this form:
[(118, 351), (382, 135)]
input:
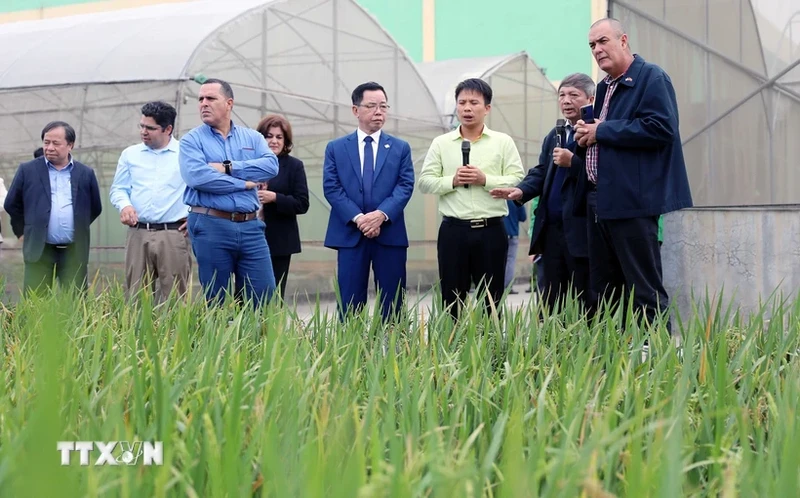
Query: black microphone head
[(560, 124), (465, 145)]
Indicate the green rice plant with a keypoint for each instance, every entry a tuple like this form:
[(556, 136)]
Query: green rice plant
[(515, 403)]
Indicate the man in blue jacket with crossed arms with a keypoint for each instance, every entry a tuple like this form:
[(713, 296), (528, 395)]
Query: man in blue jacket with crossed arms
[(222, 165)]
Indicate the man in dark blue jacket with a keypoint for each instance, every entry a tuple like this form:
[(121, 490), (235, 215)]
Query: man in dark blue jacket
[(559, 233), (634, 172), (52, 202)]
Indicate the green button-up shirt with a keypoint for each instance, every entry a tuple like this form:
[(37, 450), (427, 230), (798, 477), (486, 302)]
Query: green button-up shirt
[(497, 157)]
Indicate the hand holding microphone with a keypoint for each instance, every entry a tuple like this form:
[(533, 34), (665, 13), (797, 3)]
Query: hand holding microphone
[(561, 157), (468, 174), (465, 148), (560, 130)]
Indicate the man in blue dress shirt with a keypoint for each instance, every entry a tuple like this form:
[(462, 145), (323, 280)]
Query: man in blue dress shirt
[(148, 192), (52, 202), (222, 165)]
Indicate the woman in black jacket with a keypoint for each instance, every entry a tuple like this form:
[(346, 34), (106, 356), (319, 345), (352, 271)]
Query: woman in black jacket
[(283, 198)]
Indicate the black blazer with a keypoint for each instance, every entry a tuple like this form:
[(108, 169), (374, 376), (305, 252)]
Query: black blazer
[(538, 182), (28, 205), (291, 189)]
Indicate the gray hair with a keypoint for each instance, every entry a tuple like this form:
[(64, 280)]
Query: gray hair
[(616, 25), (582, 82)]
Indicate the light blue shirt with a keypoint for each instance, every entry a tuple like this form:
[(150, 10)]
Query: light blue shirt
[(150, 181), (251, 161), (61, 228)]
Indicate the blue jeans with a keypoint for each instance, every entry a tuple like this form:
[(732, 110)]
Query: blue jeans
[(223, 248)]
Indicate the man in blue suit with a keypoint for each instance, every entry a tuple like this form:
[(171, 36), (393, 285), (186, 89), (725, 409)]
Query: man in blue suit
[(52, 202), (368, 178)]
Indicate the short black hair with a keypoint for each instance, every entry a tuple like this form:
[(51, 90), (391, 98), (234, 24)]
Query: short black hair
[(358, 94), (476, 85), (227, 91), (161, 112), (38, 153), (69, 131)]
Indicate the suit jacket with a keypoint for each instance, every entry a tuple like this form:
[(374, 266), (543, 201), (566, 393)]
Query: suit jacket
[(640, 170), (28, 204), (393, 184), (538, 182), (291, 198)]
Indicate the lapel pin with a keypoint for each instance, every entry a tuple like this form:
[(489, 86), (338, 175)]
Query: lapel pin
[(628, 79), (386, 145)]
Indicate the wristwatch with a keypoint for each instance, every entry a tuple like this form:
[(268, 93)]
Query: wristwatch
[(227, 165)]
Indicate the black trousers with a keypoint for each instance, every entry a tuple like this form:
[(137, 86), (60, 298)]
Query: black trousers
[(469, 255), (562, 272), (625, 258), (61, 262), (280, 266)]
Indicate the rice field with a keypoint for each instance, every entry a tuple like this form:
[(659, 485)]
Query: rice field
[(266, 404)]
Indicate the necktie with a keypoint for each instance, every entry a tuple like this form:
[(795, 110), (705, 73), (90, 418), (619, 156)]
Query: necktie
[(367, 173)]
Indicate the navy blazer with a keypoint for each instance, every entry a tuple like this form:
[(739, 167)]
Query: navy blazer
[(291, 198), (393, 184), (538, 182), (641, 170), (28, 204)]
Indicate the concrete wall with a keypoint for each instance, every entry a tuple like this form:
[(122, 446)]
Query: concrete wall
[(747, 253)]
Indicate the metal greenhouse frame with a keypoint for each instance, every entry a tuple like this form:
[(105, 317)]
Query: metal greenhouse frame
[(737, 79), (299, 58)]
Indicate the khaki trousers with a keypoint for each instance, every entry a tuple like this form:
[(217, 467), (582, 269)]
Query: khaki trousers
[(158, 259)]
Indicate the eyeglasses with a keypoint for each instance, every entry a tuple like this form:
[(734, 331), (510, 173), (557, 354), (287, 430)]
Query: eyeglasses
[(372, 107)]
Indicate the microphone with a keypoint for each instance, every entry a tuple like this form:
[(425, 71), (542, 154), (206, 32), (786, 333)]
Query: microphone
[(465, 146), (560, 130)]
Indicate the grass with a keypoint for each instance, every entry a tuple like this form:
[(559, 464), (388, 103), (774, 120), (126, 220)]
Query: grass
[(271, 405)]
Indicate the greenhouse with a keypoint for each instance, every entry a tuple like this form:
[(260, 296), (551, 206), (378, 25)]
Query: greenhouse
[(735, 66), (524, 104), (737, 80), (299, 58)]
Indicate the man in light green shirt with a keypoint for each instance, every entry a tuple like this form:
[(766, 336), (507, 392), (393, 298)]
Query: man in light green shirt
[(472, 241)]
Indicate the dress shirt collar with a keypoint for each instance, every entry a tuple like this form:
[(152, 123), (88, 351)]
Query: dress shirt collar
[(213, 131), (362, 135), (172, 145), (456, 134), (50, 165), (609, 81)]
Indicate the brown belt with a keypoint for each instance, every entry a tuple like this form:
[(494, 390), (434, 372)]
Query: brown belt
[(237, 217)]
